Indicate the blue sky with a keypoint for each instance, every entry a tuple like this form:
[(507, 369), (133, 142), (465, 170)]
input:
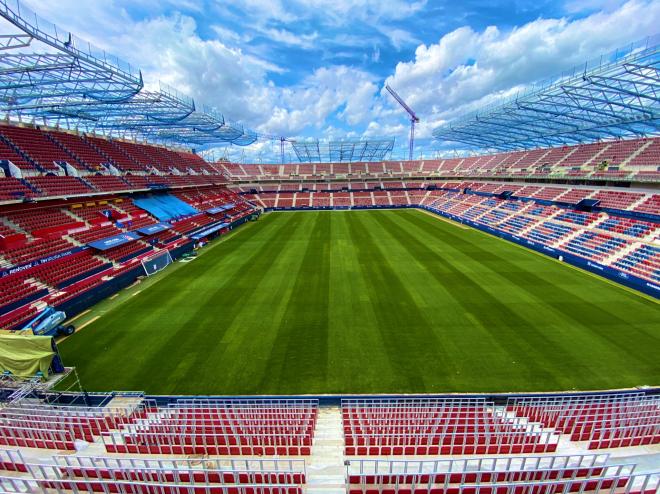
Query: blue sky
[(317, 68)]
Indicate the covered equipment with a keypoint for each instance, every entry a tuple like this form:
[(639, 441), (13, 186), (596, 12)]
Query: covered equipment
[(25, 356)]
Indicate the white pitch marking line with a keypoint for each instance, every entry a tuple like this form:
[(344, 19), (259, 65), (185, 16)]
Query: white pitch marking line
[(88, 323), (81, 314)]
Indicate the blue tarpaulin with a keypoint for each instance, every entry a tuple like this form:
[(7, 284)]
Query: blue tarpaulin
[(165, 206), (151, 229), (114, 241), (209, 231), (220, 209)]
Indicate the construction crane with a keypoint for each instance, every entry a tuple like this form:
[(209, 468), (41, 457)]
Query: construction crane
[(282, 140), (413, 119)]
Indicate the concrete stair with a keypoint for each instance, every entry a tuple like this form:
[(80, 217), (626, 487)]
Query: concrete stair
[(640, 201), (74, 216), (325, 468), (37, 284), (635, 154), (10, 224), (620, 253), (568, 238), (594, 159)]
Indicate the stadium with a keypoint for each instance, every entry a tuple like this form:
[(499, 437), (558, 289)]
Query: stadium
[(471, 308)]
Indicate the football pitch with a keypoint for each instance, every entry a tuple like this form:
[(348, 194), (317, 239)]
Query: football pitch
[(367, 302)]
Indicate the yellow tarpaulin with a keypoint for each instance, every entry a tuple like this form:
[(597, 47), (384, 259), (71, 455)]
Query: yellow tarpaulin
[(24, 356)]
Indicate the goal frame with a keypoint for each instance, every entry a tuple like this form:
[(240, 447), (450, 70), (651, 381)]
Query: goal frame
[(157, 269)]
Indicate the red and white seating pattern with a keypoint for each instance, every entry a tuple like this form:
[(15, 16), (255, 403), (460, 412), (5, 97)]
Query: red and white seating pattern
[(517, 474), (606, 421), (33, 425), (200, 436), (381, 427), (218, 427), (91, 474)]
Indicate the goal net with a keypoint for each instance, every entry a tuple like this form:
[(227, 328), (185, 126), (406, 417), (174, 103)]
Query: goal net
[(156, 262)]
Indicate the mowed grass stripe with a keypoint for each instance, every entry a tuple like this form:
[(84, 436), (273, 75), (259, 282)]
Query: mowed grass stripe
[(369, 302), (392, 307), (580, 324), (299, 354), (357, 352), (491, 314)]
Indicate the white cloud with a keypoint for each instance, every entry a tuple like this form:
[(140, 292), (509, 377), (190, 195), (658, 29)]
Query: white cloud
[(341, 89), (335, 11), (398, 38), (291, 39), (466, 69)]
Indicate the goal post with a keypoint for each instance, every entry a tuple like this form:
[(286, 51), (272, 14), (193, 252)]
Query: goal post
[(157, 262)]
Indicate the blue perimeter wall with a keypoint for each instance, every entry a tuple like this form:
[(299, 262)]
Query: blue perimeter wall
[(608, 272)]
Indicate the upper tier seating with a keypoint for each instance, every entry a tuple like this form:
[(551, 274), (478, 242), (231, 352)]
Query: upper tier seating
[(190, 161), (39, 147), (13, 189), (115, 155), (604, 160), (9, 153), (649, 156), (106, 183), (83, 152), (50, 185)]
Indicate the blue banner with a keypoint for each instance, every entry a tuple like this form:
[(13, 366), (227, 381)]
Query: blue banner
[(220, 209), (151, 229), (38, 262), (209, 231), (114, 241)]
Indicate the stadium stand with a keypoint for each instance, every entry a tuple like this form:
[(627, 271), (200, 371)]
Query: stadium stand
[(603, 161), (237, 445), (46, 243)]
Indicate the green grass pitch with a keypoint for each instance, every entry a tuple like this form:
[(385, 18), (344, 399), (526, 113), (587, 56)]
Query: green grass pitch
[(368, 302)]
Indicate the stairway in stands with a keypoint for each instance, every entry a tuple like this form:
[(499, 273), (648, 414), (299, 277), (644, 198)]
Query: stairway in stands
[(325, 472)]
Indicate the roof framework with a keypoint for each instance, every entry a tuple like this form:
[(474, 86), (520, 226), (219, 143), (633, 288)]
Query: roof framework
[(343, 151), (50, 77), (615, 96)]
